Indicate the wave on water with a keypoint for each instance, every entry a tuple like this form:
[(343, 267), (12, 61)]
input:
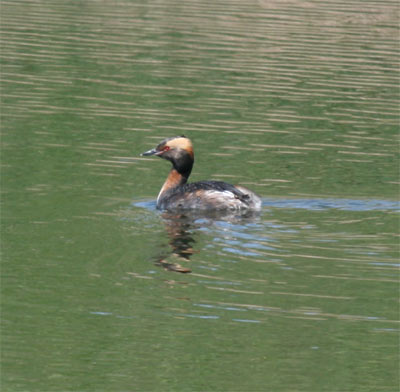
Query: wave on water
[(314, 204), (340, 204)]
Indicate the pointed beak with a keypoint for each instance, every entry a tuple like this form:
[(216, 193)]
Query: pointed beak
[(153, 151)]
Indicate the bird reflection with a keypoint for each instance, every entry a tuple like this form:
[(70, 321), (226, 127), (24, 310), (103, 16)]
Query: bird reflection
[(182, 230)]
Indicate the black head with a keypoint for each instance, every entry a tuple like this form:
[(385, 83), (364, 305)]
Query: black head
[(178, 150)]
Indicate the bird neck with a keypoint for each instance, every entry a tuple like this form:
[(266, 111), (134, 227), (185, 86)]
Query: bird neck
[(173, 180)]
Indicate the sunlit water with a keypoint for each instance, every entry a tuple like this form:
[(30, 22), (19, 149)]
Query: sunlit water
[(296, 100)]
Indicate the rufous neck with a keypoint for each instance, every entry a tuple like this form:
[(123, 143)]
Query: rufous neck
[(173, 180)]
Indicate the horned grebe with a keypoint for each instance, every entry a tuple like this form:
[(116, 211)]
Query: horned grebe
[(177, 194)]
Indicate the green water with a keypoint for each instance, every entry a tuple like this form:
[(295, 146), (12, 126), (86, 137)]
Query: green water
[(297, 100)]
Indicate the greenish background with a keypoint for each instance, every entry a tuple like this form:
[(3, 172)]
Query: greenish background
[(297, 100)]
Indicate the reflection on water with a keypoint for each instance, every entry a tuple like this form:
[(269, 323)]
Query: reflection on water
[(181, 230), (247, 235)]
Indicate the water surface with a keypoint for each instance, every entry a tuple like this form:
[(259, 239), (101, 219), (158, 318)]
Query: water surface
[(297, 100)]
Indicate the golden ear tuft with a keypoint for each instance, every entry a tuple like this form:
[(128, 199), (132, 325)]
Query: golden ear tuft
[(182, 143)]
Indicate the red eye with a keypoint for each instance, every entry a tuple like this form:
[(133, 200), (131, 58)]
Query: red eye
[(166, 148)]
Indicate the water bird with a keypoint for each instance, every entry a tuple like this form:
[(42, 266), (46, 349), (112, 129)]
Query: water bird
[(177, 194)]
